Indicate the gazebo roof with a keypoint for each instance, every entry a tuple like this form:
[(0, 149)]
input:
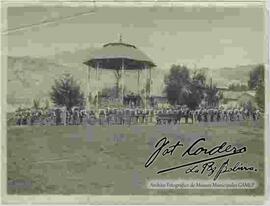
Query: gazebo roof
[(112, 55)]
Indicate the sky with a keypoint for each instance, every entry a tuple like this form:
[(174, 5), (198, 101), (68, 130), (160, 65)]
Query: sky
[(210, 37)]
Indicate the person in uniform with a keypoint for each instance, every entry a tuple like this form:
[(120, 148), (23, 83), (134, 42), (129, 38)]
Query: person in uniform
[(175, 116), (211, 113), (205, 115), (237, 111), (191, 115), (158, 119), (219, 112), (258, 114), (19, 118), (24, 118), (199, 115), (186, 115), (108, 116), (254, 115)]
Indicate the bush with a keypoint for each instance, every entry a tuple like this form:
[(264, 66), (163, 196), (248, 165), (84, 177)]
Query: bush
[(66, 92)]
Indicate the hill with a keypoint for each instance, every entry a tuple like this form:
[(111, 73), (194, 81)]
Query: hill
[(30, 78), (227, 75), (220, 76)]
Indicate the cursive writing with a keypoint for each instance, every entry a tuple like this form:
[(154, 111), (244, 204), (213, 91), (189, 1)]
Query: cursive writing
[(164, 147), (211, 169), (160, 145)]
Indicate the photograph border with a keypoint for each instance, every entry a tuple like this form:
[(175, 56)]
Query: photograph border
[(125, 199)]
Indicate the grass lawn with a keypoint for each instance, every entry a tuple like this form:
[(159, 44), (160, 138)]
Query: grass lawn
[(110, 160)]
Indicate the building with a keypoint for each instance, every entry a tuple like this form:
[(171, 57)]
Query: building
[(238, 98)]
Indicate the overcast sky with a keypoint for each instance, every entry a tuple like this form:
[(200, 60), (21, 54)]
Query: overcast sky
[(205, 37)]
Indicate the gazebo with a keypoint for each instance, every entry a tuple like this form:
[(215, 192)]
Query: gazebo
[(120, 57)]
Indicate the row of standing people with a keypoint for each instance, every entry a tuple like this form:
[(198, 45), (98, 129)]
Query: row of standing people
[(61, 116), (225, 115)]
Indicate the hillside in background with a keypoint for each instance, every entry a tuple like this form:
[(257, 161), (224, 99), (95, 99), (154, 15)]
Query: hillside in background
[(72, 58), (220, 76), (227, 75), (30, 78)]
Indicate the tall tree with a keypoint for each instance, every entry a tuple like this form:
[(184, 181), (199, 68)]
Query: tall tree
[(36, 103), (256, 77), (199, 77), (66, 92), (193, 98), (256, 81), (177, 84), (213, 95), (181, 89), (47, 104), (197, 89), (259, 96)]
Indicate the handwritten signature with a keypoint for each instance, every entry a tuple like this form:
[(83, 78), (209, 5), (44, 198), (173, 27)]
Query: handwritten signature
[(202, 166)]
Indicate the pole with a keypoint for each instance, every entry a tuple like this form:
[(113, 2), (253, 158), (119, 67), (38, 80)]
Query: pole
[(122, 78), (150, 77), (145, 90), (138, 82), (88, 86), (97, 76)]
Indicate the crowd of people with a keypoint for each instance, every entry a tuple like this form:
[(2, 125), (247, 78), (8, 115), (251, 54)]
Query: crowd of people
[(127, 116), (206, 115)]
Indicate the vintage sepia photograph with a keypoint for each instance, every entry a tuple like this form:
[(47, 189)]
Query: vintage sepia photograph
[(135, 100)]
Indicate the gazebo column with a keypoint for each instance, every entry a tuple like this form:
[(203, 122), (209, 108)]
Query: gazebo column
[(97, 89), (122, 78), (138, 82), (88, 85), (145, 90), (150, 79)]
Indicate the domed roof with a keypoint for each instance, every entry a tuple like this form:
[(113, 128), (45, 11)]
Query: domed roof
[(112, 55)]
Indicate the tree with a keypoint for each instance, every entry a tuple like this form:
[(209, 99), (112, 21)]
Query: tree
[(256, 82), (256, 76), (182, 89), (36, 104), (66, 92), (193, 98), (197, 89), (259, 95), (199, 77), (47, 104), (177, 84), (213, 95)]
